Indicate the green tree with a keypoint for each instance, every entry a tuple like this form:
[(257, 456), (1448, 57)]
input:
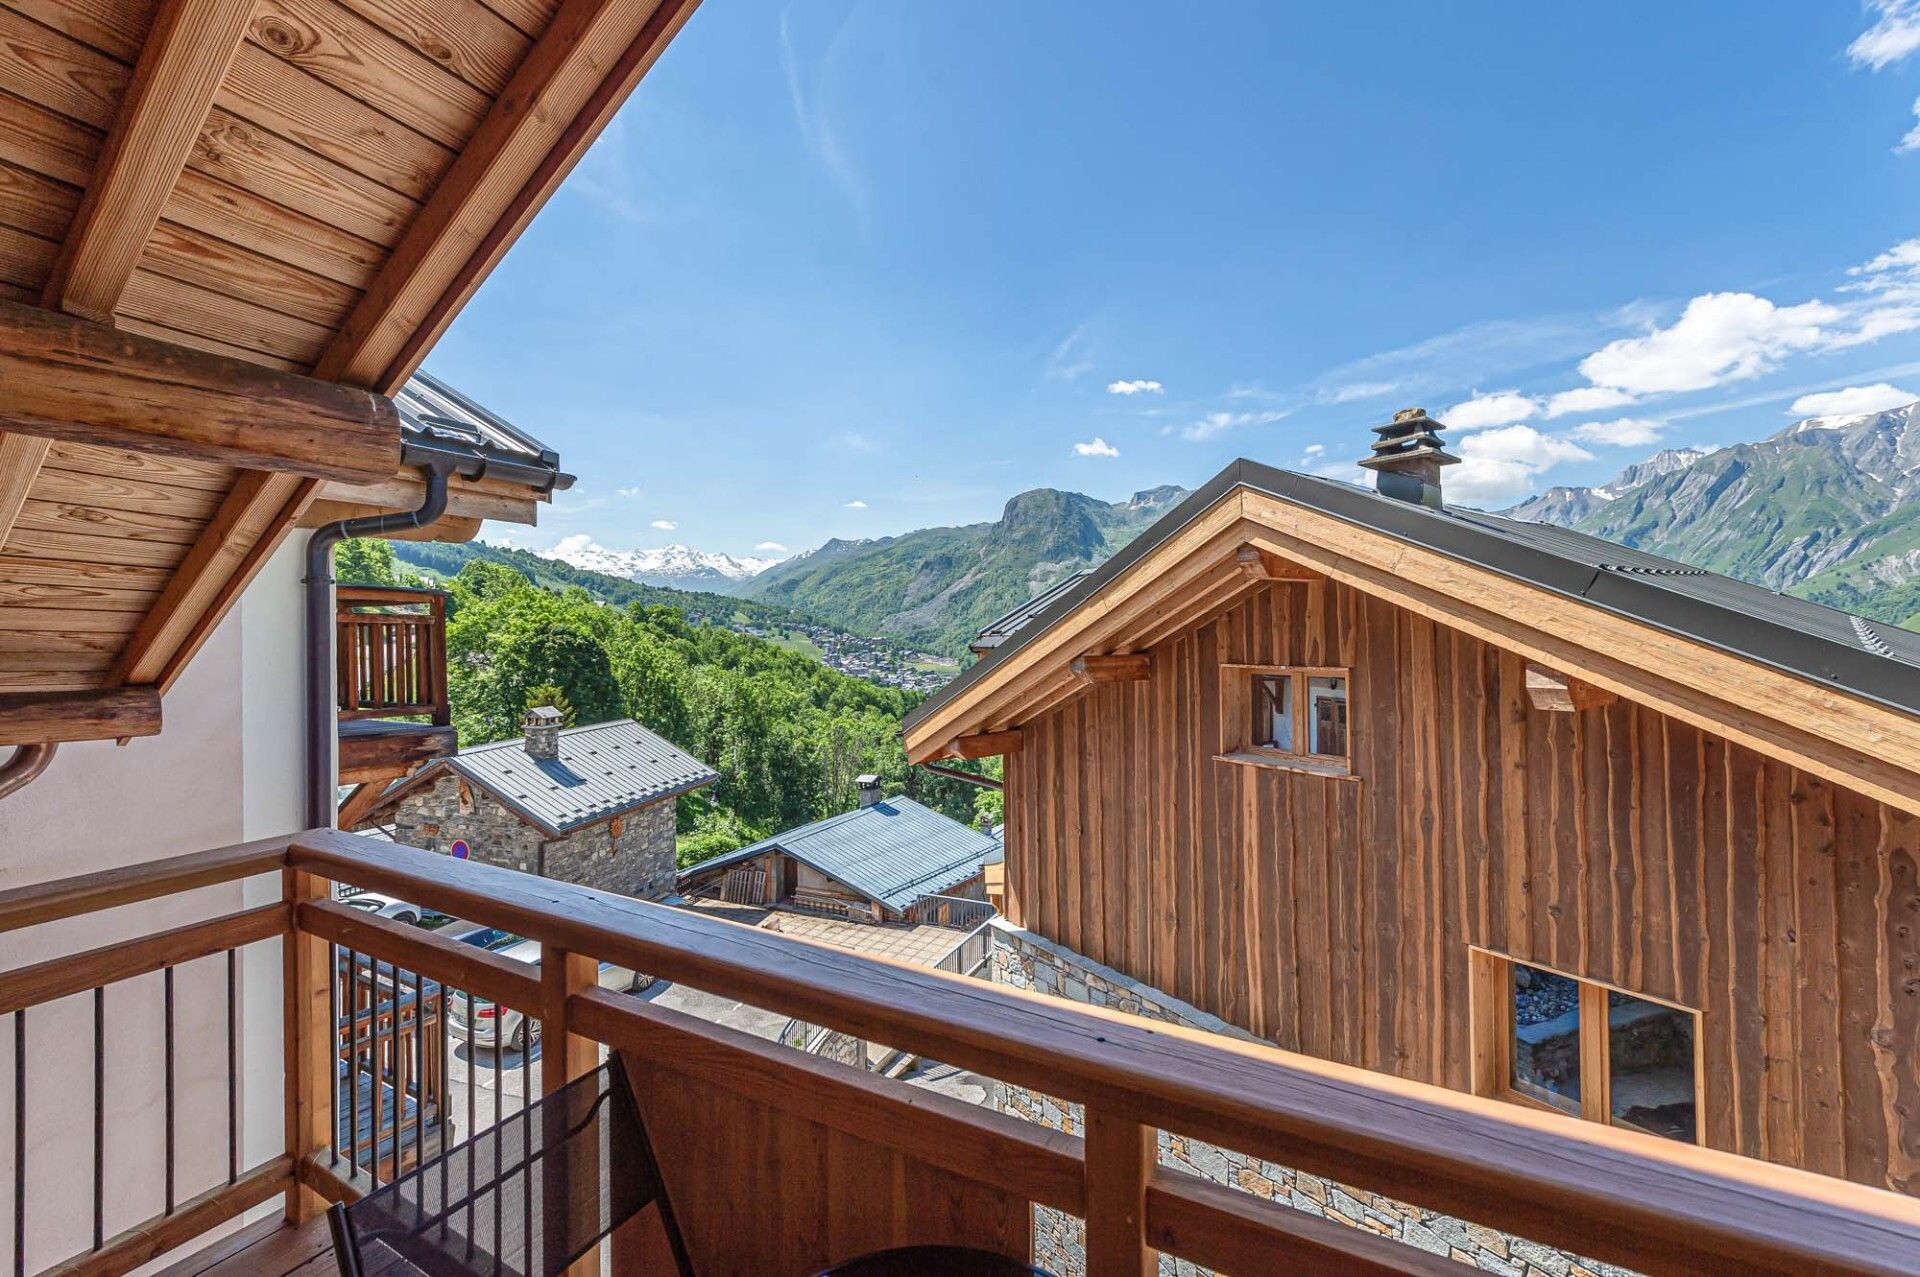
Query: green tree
[(554, 696), (365, 561)]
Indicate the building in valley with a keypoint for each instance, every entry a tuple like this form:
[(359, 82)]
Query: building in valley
[(590, 805), (888, 860), (1483, 803)]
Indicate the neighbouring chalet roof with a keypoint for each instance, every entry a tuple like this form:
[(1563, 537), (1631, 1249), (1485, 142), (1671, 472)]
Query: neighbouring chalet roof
[(1000, 629), (603, 770), (1319, 523), (226, 245), (895, 851)]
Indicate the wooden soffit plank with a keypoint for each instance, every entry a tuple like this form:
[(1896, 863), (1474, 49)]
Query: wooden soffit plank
[(161, 114), (249, 525), (561, 97), (28, 718), (72, 379)]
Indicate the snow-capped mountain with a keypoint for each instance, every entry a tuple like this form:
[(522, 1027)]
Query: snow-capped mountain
[(676, 566)]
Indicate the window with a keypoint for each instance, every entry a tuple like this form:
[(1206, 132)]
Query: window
[(1584, 1049), (1285, 716)]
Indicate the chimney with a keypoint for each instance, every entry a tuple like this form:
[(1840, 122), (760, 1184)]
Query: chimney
[(543, 732), (869, 789), (1406, 461)]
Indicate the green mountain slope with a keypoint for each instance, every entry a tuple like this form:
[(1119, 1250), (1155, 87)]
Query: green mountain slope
[(1828, 509), (937, 587)]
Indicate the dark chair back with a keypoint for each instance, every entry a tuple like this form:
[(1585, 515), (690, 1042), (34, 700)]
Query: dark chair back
[(524, 1198)]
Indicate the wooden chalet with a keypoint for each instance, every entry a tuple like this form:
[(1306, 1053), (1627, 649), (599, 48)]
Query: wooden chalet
[(1490, 805), (229, 232)]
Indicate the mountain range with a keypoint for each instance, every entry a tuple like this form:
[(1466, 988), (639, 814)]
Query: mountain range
[(937, 587), (1827, 509), (677, 567)]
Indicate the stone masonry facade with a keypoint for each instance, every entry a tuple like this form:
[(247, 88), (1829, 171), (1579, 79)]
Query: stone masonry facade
[(630, 854), (1028, 961)]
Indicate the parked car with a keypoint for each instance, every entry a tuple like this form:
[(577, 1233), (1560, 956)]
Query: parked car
[(485, 1024), (386, 906)]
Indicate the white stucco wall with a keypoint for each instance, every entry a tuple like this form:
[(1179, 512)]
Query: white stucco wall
[(226, 768)]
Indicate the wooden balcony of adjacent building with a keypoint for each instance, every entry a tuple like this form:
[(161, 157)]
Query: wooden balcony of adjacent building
[(776, 1161), (390, 647)]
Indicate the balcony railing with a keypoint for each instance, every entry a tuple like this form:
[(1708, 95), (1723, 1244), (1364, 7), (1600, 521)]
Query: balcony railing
[(392, 652), (777, 1161)]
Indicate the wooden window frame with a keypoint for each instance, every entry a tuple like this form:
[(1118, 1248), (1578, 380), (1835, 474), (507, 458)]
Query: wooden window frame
[(1236, 720), (1490, 1009)]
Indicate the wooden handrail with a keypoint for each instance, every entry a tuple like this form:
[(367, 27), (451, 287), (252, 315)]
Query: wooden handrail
[(1616, 1195), (89, 893), (345, 595), (76, 973)]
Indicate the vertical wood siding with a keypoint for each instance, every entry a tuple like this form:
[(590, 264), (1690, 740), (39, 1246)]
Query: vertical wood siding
[(1334, 916)]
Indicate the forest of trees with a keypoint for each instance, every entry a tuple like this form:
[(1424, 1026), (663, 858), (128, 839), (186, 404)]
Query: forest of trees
[(787, 735)]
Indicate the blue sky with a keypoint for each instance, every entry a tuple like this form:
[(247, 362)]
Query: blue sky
[(852, 267)]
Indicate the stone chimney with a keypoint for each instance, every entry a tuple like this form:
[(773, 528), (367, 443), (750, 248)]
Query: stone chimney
[(1406, 461), (542, 725), (869, 789)]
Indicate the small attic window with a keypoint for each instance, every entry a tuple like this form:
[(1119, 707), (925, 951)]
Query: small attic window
[(1286, 716)]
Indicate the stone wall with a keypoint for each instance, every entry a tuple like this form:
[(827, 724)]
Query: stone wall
[(1028, 961), (631, 854)]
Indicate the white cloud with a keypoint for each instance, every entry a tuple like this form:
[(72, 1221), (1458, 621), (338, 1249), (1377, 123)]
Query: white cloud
[(856, 505), (628, 493), (1218, 423), (664, 525), (570, 545), (1134, 388), (1501, 408), (1095, 447), (771, 547), (1069, 359), (1910, 141), (1314, 450), (1895, 36), (854, 441), (1586, 399), (1626, 432), (1852, 401), (1719, 337), (1356, 390), (1499, 465)]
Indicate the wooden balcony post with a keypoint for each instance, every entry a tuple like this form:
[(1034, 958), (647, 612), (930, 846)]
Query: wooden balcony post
[(565, 1056), (312, 1044), (1120, 1157)]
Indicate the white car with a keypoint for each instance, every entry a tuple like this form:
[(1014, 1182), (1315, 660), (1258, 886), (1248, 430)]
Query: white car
[(385, 906), (484, 1024)]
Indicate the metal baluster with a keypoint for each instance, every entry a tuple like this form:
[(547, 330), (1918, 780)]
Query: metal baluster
[(333, 1048), (353, 1059), (499, 1014), (473, 1083), (99, 1115), (167, 979), (20, 1143), (233, 1067), (526, 1134), (379, 1072), (418, 1058)]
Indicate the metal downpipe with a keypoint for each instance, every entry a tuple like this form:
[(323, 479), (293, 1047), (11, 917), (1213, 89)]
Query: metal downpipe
[(322, 724), (25, 767)]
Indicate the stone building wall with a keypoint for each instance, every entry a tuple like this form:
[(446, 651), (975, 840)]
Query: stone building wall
[(1028, 961), (631, 854)]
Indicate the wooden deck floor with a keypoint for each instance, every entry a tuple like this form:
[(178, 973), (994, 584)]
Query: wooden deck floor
[(270, 1248)]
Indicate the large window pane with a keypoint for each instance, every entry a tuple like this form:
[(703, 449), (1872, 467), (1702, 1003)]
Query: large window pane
[(1650, 1048), (1273, 711), (1546, 1037), (1327, 703)]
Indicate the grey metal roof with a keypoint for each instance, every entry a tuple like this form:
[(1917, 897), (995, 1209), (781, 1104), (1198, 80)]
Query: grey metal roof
[(1000, 629), (895, 851), (603, 770), (434, 414), (1866, 658)]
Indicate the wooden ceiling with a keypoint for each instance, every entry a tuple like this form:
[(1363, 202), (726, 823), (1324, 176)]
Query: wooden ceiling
[(308, 186)]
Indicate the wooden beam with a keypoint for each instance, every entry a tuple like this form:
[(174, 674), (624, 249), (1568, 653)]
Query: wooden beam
[(1257, 565), (72, 379), (387, 756), (561, 97), (1560, 694), (28, 718), (20, 458), (161, 114), (1117, 667), (985, 744), (310, 1044), (243, 533), (1119, 1156)]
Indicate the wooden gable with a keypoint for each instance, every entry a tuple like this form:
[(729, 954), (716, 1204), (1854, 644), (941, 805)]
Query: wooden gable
[(303, 188)]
